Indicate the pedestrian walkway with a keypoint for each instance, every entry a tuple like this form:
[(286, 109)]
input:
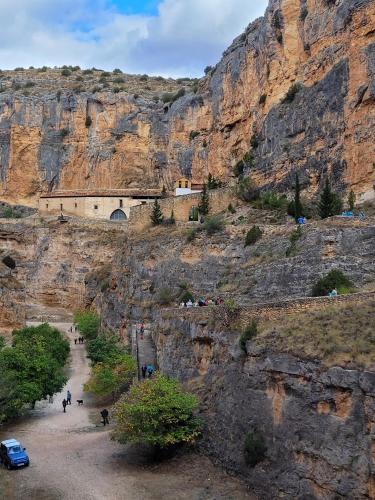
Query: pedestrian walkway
[(146, 350)]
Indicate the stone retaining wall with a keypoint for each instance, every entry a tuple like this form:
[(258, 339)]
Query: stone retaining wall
[(268, 311), (139, 218)]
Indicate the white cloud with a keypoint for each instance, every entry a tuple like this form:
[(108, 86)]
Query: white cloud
[(182, 39)]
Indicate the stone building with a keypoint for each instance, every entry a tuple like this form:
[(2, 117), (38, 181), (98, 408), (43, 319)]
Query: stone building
[(186, 186), (111, 204)]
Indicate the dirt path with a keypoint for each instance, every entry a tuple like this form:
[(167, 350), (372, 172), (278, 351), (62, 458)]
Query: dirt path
[(73, 458)]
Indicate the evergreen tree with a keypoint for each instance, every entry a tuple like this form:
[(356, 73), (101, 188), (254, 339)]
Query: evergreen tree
[(156, 214), (330, 203), (351, 200), (164, 193), (213, 183), (297, 199), (204, 205), (172, 220)]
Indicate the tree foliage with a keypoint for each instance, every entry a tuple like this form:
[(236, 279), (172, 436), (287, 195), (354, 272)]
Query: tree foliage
[(113, 376), (334, 279), (204, 204), (253, 235), (31, 369), (255, 448), (330, 203), (250, 332), (213, 183), (88, 323), (157, 412), (102, 348), (156, 214), (351, 200)]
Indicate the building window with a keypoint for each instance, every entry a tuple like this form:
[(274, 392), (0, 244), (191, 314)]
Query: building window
[(96, 207), (121, 204), (179, 184), (143, 202), (47, 206), (75, 205), (61, 206), (186, 184)]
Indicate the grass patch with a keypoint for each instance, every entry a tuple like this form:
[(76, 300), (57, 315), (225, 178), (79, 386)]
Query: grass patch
[(339, 334)]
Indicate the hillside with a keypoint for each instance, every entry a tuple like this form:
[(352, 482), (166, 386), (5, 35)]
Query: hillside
[(295, 92)]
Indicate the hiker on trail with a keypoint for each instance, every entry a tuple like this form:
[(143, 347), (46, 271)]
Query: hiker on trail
[(144, 371), (334, 293), (68, 398), (142, 329), (150, 370), (64, 404), (104, 413), (75, 341)]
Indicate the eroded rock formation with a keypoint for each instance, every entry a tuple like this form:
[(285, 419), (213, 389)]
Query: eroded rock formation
[(326, 124)]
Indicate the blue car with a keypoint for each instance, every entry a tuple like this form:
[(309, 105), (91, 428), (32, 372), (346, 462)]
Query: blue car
[(13, 454)]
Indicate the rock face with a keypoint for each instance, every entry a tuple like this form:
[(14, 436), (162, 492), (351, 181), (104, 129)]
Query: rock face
[(317, 423), (296, 91)]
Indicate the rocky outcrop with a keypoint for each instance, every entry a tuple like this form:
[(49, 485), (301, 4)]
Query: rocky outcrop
[(317, 423), (295, 92)]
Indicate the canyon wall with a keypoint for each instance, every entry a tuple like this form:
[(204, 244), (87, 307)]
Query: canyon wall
[(63, 139)]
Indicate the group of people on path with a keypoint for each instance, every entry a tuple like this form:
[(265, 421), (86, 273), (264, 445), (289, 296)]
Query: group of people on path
[(80, 340), (202, 302)]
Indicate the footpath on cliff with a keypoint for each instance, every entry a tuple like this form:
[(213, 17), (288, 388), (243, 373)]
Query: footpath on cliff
[(73, 457)]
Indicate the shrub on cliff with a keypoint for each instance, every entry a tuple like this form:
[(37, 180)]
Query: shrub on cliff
[(292, 92), (213, 224), (247, 190), (157, 412), (250, 332), (253, 235), (165, 297), (334, 279), (255, 448), (88, 323)]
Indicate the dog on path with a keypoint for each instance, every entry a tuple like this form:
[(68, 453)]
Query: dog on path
[(80, 402)]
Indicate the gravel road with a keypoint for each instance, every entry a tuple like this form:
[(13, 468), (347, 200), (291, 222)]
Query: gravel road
[(73, 458)]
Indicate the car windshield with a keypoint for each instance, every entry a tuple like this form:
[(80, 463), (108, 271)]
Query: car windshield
[(15, 449)]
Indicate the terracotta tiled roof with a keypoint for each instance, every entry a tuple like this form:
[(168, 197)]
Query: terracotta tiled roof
[(86, 193)]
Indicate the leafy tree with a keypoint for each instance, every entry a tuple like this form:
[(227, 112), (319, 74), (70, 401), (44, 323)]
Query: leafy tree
[(351, 200), (253, 235), (156, 214), (31, 369), (88, 323), (112, 377), (330, 203), (250, 332), (334, 279), (204, 204), (103, 348), (157, 412)]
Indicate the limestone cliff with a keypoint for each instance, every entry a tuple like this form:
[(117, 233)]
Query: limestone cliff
[(296, 91)]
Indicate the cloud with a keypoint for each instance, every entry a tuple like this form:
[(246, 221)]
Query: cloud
[(184, 36)]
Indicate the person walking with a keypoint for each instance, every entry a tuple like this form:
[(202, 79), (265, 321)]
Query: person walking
[(75, 341), (104, 413), (150, 370), (144, 370), (68, 398), (64, 404)]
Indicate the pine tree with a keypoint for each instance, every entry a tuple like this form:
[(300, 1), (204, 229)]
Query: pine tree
[(351, 200), (298, 209), (204, 205), (156, 214), (330, 203)]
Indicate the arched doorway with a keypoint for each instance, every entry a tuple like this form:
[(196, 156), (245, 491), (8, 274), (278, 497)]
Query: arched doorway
[(118, 215)]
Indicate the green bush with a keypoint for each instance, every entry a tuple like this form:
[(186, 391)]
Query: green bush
[(193, 134), (157, 412), (9, 213), (250, 332), (103, 348), (253, 235), (186, 296), (191, 235), (66, 72), (292, 92), (165, 297), (88, 323), (271, 201), (255, 448), (262, 98), (247, 190), (213, 224), (334, 279), (231, 209)]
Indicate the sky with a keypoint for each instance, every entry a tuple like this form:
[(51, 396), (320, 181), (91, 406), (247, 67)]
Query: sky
[(159, 37)]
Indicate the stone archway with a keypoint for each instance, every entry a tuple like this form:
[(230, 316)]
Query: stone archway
[(118, 215)]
